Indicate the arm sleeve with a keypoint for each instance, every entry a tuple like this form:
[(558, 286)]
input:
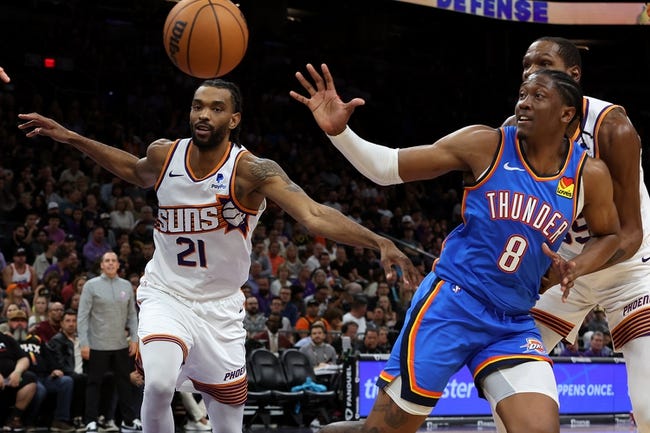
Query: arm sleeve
[(377, 163)]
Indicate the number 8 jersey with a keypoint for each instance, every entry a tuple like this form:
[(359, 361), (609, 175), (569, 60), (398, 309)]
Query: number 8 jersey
[(495, 254), (202, 233)]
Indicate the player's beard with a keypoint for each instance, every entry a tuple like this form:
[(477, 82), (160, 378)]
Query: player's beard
[(215, 139)]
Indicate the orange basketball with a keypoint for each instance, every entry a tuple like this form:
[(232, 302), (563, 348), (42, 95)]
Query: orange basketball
[(205, 38)]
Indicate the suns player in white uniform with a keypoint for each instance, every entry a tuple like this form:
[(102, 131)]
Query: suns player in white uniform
[(211, 193), (623, 288)]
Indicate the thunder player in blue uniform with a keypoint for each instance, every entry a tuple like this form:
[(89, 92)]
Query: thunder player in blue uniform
[(528, 184)]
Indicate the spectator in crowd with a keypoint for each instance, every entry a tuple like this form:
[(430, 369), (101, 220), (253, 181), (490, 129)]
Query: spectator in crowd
[(258, 254), (319, 352), (47, 329), (45, 259), (341, 266), (122, 217), (51, 381), (277, 306), (94, 249), (263, 294), (311, 316), (32, 219), (15, 297), (271, 338), (357, 313), (571, 349), (321, 294), (254, 320), (275, 258), (72, 171), (289, 309), (292, 260), (313, 261), (597, 346), (106, 313), (64, 354), (51, 288), (20, 272), (17, 241), (16, 325), (304, 281), (65, 265), (334, 317), (17, 383), (76, 286), (370, 342), (282, 280), (384, 341), (39, 244), (53, 227), (39, 311)]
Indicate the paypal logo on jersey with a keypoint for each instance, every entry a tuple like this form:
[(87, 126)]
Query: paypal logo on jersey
[(219, 183)]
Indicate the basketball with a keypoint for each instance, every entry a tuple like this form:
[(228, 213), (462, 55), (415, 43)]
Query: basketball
[(205, 38)]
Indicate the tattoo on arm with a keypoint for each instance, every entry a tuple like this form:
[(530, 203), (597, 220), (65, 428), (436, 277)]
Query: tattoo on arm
[(265, 168)]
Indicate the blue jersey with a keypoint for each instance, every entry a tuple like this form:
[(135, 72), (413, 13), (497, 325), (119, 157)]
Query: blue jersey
[(496, 253)]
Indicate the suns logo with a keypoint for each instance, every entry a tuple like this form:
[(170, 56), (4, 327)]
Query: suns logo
[(533, 345), (232, 215)]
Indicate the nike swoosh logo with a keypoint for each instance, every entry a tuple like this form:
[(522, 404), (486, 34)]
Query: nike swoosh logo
[(172, 174), (645, 259), (508, 167)]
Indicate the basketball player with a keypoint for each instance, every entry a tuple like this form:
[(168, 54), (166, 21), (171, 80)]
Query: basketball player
[(211, 193), (527, 184), (623, 289), (3, 75)]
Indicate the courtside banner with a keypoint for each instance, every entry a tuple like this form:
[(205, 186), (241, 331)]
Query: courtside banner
[(586, 386), (548, 12)]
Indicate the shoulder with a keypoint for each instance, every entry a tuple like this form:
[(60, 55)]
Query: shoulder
[(595, 169)]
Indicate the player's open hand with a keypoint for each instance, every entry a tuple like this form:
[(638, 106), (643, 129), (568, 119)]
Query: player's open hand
[(560, 272), (40, 125), (3, 75), (330, 112)]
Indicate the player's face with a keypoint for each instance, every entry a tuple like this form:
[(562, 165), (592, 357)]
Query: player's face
[(539, 107), (542, 55), (212, 117)]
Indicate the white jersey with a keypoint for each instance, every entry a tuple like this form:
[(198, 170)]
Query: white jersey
[(202, 234), (595, 111), (623, 289)]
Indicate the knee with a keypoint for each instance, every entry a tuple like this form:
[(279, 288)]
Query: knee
[(66, 382), (160, 386)]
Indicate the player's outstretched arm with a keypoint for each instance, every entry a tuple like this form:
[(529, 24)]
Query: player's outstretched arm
[(138, 171), (3, 75), (267, 178), (468, 149)]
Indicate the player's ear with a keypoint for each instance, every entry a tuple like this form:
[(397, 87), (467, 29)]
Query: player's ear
[(568, 114), (234, 120), (575, 73)]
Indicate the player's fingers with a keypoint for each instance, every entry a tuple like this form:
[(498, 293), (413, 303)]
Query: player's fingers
[(316, 77), (329, 81), (298, 97), (306, 84), (3, 76)]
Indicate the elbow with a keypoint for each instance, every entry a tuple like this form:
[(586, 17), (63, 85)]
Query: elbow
[(630, 242)]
